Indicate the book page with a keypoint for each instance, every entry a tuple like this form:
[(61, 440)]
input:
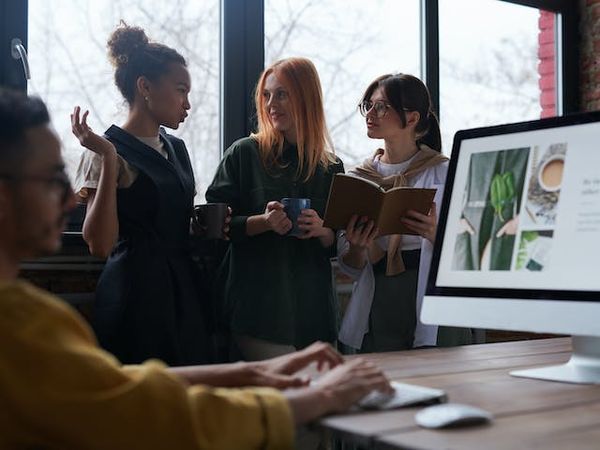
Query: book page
[(351, 195), (397, 202)]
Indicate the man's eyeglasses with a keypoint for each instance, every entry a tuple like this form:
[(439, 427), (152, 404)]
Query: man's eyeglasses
[(60, 182), (380, 108)]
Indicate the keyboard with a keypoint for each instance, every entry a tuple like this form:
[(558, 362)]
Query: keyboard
[(403, 395)]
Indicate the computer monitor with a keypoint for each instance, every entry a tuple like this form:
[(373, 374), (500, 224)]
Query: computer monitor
[(518, 240)]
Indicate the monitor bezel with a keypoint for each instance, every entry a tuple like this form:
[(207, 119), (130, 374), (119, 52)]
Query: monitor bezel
[(499, 293)]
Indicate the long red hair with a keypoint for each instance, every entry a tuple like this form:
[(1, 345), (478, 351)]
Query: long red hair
[(300, 78)]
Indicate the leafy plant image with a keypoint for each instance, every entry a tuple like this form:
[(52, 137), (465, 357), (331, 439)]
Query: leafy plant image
[(502, 191), (527, 237)]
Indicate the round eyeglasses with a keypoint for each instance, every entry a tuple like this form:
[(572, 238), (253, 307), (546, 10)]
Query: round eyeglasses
[(379, 107)]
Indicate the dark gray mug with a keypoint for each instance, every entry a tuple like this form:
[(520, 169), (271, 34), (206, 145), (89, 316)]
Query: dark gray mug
[(293, 207), (210, 220)]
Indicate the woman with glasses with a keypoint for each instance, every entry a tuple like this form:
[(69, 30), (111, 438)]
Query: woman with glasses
[(277, 287), (390, 271), (139, 187)]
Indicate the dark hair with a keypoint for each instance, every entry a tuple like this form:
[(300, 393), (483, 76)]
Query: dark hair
[(134, 56), (18, 113), (408, 93)]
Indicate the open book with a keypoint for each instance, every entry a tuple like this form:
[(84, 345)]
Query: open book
[(352, 195)]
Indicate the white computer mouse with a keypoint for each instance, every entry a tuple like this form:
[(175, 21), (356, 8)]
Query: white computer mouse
[(451, 414)]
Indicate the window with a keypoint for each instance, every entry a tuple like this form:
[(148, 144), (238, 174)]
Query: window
[(351, 43), (69, 66), (491, 71)]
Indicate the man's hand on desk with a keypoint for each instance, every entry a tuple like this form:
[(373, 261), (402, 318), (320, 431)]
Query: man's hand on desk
[(336, 390), (321, 353), (347, 384), (279, 372)]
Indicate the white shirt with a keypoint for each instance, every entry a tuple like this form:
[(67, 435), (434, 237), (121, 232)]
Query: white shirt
[(355, 323), (90, 167)]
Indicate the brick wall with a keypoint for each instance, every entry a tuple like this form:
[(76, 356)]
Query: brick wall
[(547, 64), (590, 58), (590, 54)]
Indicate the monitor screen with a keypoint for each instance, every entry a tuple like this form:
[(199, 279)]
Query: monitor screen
[(519, 237), (521, 213)]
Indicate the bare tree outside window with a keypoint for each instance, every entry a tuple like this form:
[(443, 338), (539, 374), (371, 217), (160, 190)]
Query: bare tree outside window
[(488, 65), (69, 64), (351, 43), (488, 62)]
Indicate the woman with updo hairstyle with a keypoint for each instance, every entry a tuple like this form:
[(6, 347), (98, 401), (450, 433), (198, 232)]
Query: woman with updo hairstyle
[(139, 188), (390, 272), (276, 282)]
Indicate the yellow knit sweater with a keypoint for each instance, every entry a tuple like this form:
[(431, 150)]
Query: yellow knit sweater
[(58, 390)]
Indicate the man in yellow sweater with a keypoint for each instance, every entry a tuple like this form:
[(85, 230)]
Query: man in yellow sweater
[(58, 390)]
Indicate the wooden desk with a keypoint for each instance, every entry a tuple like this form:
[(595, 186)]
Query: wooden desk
[(528, 413)]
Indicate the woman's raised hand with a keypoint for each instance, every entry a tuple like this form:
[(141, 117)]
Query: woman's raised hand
[(87, 138)]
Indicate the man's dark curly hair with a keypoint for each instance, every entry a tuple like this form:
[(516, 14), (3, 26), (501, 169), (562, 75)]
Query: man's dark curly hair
[(18, 113)]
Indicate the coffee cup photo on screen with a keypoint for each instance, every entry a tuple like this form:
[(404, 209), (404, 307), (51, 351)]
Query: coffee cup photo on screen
[(490, 214), (545, 182)]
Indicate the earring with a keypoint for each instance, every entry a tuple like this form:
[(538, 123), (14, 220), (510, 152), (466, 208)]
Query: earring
[(146, 99)]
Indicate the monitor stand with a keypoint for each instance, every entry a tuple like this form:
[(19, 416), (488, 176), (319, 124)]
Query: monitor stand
[(582, 368)]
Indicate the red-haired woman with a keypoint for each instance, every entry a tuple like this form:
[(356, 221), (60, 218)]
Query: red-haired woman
[(278, 291)]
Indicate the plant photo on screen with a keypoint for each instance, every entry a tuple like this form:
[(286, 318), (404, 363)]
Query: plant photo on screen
[(534, 250), (490, 214)]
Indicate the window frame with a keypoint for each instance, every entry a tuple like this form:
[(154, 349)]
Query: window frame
[(242, 39), (567, 60), (13, 24), (567, 50), (242, 60)]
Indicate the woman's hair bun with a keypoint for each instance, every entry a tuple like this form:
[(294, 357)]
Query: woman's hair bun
[(124, 42)]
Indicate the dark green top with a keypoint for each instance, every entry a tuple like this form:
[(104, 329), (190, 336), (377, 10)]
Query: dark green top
[(276, 288)]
